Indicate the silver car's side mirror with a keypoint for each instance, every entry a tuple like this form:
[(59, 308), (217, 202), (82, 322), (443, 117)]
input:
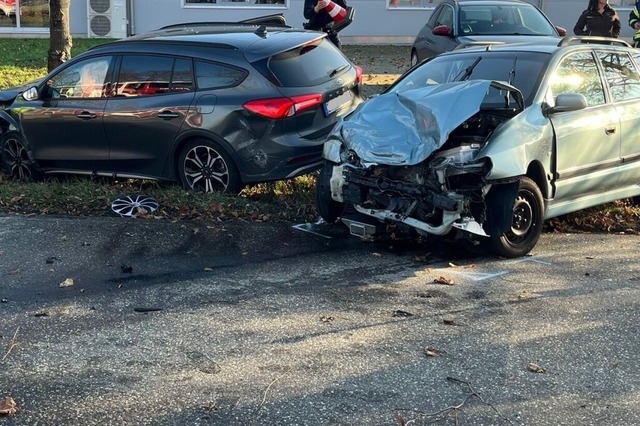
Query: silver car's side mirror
[(569, 102), (30, 94)]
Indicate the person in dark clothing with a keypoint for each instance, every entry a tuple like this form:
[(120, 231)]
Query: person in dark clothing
[(634, 22), (320, 20), (599, 19)]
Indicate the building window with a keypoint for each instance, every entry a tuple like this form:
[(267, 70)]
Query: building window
[(622, 3), (24, 14), (411, 4), (247, 3)]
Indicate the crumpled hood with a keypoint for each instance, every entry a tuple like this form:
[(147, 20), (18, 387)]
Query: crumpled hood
[(405, 128)]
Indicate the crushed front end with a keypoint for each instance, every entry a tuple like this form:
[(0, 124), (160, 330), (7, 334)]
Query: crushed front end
[(414, 163)]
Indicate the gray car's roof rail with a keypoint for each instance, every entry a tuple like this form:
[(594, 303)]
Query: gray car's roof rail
[(275, 20), (592, 39)]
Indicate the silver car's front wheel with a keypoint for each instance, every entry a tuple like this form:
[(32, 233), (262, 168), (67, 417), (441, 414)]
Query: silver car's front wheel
[(526, 223), (204, 167)]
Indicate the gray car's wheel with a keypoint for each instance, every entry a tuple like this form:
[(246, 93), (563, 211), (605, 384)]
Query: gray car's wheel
[(414, 58), (15, 158), (204, 167), (526, 224), (328, 209)]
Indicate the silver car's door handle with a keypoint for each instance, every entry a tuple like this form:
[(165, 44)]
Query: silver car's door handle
[(86, 115), (168, 115), (610, 130)]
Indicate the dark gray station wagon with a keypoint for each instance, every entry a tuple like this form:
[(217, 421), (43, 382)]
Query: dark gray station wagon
[(214, 106)]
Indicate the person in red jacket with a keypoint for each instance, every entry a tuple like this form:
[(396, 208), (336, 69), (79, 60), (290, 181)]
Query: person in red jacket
[(599, 19), (320, 20)]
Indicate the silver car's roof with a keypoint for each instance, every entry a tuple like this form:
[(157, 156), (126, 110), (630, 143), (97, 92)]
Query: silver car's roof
[(546, 45)]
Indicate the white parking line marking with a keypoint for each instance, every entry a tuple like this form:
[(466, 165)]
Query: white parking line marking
[(308, 227), (476, 276), (536, 259)]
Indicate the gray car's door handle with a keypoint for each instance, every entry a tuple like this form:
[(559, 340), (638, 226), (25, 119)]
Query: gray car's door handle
[(610, 130), (86, 115), (168, 115)]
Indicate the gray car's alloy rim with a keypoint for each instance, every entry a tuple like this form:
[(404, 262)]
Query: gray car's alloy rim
[(205, 170), (130, 205), (16, 159)]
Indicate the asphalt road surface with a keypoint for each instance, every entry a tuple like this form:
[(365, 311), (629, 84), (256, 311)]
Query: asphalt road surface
[(141, 322)]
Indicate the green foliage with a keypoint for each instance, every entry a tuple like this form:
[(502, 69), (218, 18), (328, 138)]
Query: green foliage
[(290, 200), (24, 60)]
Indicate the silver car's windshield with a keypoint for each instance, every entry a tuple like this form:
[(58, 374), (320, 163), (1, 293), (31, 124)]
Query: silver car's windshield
[(523, 70)]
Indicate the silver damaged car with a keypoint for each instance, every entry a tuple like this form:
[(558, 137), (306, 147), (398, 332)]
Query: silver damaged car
[(488, 142)]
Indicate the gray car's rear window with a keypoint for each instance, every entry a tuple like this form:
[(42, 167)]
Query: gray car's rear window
[(308, 65)]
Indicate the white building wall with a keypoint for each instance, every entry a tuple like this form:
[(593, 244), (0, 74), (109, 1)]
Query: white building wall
[(565, 13), (374, 21)]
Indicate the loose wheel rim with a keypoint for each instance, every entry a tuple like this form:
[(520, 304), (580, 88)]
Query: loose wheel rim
[(205, 170), (130, 205), (17, 159)]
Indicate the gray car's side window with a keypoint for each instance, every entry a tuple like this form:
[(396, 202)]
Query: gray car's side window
[(621, 75), (445, 17), (578, 73), (210, 75), (86, 79), (144, 75)]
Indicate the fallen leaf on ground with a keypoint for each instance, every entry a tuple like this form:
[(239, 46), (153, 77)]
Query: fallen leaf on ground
[(431, 351), (524, 294), (536, 368), (8, 406), (422, 258), (443, 280), (67, 283), (403, 314), (145, 310)]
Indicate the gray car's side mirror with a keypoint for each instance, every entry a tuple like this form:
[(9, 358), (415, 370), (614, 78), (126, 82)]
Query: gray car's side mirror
[(30, 94)]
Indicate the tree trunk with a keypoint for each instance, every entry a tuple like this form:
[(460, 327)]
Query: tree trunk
[(60, 41)]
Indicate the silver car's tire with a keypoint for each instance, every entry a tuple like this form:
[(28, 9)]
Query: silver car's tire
[(204, 167), (526, 223), (328, 209), (16, 161)]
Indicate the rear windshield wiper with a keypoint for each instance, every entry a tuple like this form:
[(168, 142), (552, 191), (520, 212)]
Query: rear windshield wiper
[(467, 72), (338, 70)]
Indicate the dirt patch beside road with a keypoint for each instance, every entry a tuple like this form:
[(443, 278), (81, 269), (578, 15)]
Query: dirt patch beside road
[(381, 64)]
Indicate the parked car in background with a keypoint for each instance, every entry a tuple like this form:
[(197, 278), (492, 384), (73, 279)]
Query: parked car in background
[(456, 23), (214, 106), (489, 142)]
